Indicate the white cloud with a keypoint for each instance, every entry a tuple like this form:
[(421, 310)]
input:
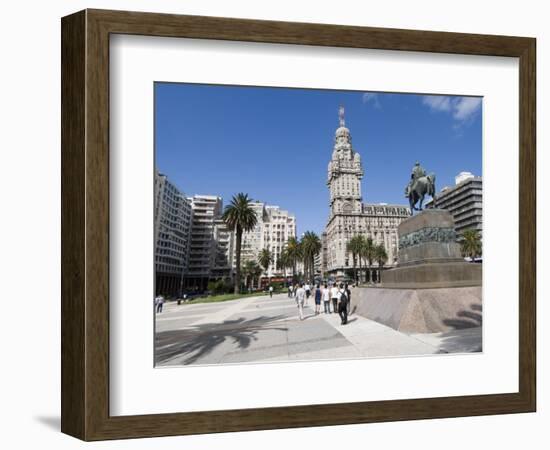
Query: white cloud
[(437, 102), (466, 107), (461, 108), (371, 97)]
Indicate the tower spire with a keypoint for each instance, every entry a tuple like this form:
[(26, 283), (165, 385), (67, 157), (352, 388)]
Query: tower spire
[(341, 116)]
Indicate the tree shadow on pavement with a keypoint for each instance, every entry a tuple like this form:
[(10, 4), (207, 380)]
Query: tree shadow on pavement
[(466, 319), (466, 335), (197, 341)]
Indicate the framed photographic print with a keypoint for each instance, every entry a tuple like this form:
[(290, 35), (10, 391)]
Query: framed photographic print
[(273, 225)]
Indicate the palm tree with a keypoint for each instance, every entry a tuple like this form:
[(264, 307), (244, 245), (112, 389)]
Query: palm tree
[(381, 257), (354, 247), (239, 217), (265, 258), (245, 273), (294, 251), (367, 253), (250, 270), (283, 262), (311, 246), (257, 273), (471, 243)]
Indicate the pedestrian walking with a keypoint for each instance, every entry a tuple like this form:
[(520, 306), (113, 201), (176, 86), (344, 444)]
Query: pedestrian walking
[(343, 305), (300, 298), (334, 297), (290, 289), (326, 299), (270, 291), (317, 299), (307, 287), (159, 302), (348, 294)]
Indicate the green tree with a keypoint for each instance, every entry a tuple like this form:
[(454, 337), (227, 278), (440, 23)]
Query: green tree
[(470, 244), (265, 258), (284, 262), (257, 274), (367, 253), (239, 217), (354, 247), (249, 270), (381, 257), (294, 253), (311, 246)]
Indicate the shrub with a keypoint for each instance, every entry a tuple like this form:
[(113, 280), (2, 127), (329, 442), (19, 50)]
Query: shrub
[(217, 287)]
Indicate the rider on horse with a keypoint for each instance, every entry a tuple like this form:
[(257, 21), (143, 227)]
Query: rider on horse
[(416, 172), (419, 186)]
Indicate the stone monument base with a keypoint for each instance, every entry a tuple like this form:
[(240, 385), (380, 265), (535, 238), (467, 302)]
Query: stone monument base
[(420, 310), (433, 275), (429, 255)]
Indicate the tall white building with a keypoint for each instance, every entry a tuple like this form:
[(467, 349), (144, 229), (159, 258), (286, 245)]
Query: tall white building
[(224, 251), (273, 229), (349, 216), (253, 240), (173, 217)]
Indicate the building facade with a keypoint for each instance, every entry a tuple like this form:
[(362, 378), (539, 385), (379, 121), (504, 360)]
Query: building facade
[(349, 216), (224, 243), (278, 229), (204, 249), (173, 218), (464, 201), (273, 229)]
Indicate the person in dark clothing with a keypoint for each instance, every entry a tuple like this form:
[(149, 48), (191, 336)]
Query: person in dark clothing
[(348, 294), (343, 305), (317, 299)]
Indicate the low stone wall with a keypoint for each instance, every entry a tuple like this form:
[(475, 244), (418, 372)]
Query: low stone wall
[(420, 310)]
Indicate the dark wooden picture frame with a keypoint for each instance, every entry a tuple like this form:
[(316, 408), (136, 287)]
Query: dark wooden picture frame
[(85, 224)]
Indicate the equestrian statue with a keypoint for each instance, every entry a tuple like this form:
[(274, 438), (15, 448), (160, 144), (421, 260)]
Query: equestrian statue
[(419, 185)]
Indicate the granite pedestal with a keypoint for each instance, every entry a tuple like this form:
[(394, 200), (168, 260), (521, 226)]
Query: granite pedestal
[(429, 256)]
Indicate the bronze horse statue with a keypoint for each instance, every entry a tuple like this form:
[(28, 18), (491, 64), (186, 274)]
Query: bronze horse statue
[(422, 186)]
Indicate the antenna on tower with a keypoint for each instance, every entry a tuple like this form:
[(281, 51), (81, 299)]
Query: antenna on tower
[(341, 116)]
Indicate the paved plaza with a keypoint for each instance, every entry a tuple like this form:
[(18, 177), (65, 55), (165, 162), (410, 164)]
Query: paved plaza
[(264, 329)]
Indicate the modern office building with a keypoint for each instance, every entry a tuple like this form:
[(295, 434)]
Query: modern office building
[(173, 217), (349, 216), (464, 201), (204, 250)]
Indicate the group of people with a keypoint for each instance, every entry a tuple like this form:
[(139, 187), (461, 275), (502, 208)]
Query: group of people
[(337, 296)]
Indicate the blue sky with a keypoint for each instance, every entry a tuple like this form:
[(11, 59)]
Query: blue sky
[(275, 143)]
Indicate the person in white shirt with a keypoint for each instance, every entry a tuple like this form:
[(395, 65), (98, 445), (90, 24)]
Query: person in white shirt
[(159, 301), (270, 291), (300, 298), (334, 294), (326, 298)]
